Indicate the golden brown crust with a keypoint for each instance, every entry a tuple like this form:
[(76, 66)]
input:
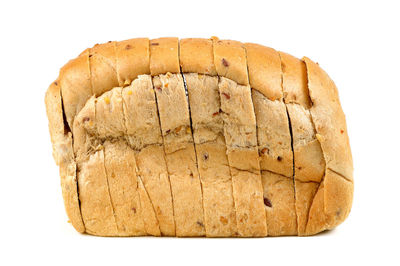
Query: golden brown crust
[(230, 60), (331, 204), (103, 67), (63, 154), (75, 85), (164, 56), (196, 56), (264, 70), (295, 88), (133, 59), (106, 66)]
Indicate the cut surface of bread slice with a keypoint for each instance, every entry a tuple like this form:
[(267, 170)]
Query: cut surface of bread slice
[(199, 137), (207, 124), (241, 137), (241, 140), (309, 164), (144, 136), (180, 154), (273, 139)]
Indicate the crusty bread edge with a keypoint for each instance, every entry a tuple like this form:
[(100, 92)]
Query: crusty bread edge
[(63, 154), (338, 188)]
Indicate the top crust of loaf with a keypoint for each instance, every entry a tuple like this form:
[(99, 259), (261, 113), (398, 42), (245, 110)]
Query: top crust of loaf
[(75, 85), (196, 56), (106, 66), (263, 76), (233, 68), (164, 56), (133, 59)]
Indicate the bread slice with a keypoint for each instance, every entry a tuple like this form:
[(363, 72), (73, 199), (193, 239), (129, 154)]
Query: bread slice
[(63, 154), (241, 137), (100, 118), (309, 162), (308, 158), (121, 168), (143, 134), (96, 207), (330, 125), (207, 124), (177, 136), (241, 141), (273, 139), (180, 154)]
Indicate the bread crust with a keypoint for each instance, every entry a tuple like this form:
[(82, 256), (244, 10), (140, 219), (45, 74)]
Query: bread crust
[(329, 120), (322, 158), (164, 56), (230, 60), (196, 56), (75, 85), (330, 125), (264, 73), (133, 59), (103, 67), (63, 155)]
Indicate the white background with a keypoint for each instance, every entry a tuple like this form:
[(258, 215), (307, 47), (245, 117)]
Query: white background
[(355, 42)]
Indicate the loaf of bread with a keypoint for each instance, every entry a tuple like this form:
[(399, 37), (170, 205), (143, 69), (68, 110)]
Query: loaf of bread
[(199, 137)]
